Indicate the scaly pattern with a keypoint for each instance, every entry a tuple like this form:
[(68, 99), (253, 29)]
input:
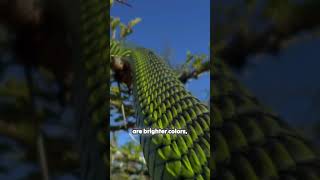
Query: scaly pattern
[(95, 57), (251, 143), (161, 101)]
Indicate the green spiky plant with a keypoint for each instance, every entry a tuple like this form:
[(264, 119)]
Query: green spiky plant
[(167, 156)]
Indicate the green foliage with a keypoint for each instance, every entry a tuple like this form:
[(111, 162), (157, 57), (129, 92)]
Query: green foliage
[(121, 164), (125, 29), (193, 62), (117, 50), (127, 162), (115, 22)]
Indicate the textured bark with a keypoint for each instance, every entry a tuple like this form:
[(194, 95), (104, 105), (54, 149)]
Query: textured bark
[(250, 141), (90, 88)]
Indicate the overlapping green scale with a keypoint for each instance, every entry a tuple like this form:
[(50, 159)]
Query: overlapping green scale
[(165, 103), (95, 58), (251, 142)]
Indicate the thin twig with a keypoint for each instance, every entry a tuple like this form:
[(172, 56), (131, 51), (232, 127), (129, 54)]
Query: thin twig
[(124, 115), (122, 106), (133, 138), (124, 2)]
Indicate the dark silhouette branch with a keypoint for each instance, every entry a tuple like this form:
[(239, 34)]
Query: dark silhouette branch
[(124, 2), (244, 44)]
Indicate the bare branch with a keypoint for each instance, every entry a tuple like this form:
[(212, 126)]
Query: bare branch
[(124, 2)]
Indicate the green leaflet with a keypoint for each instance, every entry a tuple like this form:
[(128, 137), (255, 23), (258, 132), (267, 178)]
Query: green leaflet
[(117, 50)]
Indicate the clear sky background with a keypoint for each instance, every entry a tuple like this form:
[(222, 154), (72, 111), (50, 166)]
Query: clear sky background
[(289, 82), (182, 25), (179, 24)]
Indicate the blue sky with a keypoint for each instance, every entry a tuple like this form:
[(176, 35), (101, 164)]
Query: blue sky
[(180, 25), (183, 25), (289, 82)]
